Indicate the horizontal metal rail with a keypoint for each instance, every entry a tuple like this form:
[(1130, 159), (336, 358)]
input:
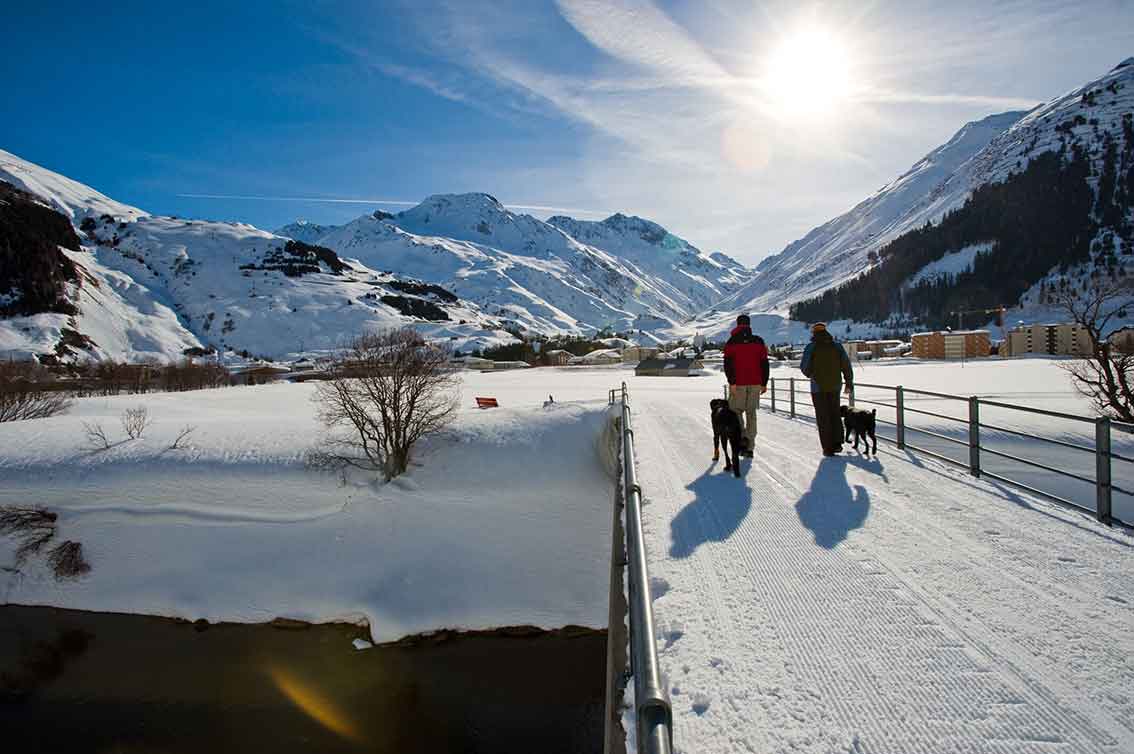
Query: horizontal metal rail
[(938, 435), (908, 390), (873, 403), (937, 415), (1102, 451), (1040, 411), (654, 717), (1117, 457), (1037, 465), (1052, 440), (924, 451)]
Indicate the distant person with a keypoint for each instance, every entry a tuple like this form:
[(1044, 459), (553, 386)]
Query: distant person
[(827, 364), (746, 367)]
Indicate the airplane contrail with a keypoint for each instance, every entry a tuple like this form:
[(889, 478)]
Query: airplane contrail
[(394, 202)]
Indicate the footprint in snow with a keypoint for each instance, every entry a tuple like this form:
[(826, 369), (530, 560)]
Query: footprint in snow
[(701, 704), (659, 587)]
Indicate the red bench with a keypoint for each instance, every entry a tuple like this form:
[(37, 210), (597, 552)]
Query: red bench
[(487, 403)]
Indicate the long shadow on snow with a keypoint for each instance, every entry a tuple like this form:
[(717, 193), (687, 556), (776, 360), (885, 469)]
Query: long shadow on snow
[(830, 508), (720, 504)]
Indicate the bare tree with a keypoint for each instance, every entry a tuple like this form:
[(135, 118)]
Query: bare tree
[(387, 390), (32, 527), (96, 436), (24, 393), (182, 436), (134, 421), (1106, 376)]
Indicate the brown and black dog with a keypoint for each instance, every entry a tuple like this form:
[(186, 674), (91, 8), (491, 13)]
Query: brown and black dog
[(726, 431)]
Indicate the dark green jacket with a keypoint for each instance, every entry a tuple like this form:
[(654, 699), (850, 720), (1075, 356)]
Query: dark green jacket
[(826, 363)]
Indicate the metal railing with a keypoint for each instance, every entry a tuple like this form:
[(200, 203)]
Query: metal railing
[(652, 713), (1102, 478)]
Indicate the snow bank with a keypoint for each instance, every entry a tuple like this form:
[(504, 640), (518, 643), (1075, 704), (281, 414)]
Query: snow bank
[(504, 520)]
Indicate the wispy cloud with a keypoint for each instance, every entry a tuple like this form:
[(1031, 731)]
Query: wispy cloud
[(882, 97), (678, 118)]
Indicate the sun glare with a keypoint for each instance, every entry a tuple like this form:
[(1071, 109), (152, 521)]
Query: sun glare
[(808, 73)]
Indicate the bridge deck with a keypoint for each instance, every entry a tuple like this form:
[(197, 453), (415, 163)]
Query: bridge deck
[(891, 605)]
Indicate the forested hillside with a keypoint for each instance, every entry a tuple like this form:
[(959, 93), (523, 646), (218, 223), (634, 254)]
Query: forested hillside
[(1045, 217)]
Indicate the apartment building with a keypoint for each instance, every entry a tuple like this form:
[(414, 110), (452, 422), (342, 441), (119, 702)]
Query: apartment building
[(962, 344)]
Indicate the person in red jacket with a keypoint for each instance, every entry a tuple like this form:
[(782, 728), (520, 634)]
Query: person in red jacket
[(746, 367)]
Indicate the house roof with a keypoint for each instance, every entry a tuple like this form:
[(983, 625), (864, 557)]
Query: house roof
[(667, 364), (943, 332)]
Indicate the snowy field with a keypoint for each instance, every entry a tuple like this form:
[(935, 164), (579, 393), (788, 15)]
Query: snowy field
[(504, 520), (840, 605)]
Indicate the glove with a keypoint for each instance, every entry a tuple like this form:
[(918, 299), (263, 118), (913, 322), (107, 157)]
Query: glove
[(763, 389)]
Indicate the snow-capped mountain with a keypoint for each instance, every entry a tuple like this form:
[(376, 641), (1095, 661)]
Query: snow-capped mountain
[(988, 151), (627, 274), (840, 248), (457, 267), (143, 286), (702, 279)]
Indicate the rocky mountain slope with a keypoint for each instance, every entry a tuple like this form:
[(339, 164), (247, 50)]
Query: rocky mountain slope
[(562, 275), (82, 276), (1052, 203)]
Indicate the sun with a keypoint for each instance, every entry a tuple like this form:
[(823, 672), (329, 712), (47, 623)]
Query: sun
[(808, 73)]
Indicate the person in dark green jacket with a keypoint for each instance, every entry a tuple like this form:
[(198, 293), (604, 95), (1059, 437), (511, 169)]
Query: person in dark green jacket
[(827, 364)]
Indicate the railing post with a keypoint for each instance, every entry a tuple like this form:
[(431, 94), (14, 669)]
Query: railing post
[(974, 436), (791, 390), (900, 406), (850, 396), (772, 389), (1102, 469)]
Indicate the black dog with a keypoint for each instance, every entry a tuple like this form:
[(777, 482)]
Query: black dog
[(726, 431), (862, 423)]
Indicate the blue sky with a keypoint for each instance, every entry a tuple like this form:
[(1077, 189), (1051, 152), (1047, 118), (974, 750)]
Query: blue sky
[(738, 125)]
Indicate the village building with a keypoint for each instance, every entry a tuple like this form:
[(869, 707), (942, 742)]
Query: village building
[(603, 356), (557, 357), (1122, 340), (634, 354), (667, 367), (962, 344), (475, 362), (879, 348), (1056, 340), (260, 374)]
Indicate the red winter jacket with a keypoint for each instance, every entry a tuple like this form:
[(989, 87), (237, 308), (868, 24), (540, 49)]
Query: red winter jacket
[(746, 358)]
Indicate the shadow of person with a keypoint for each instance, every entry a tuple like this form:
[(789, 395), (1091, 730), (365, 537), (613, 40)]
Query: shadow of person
[(871, 464), (720, 503), (830, 508)]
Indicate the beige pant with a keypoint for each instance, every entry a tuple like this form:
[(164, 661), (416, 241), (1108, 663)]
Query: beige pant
[(745, 401)]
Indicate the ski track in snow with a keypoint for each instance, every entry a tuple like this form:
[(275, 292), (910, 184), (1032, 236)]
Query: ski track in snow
[(876, 606)]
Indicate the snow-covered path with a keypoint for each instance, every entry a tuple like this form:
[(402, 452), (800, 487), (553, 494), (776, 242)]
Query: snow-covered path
[(890, 605)]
